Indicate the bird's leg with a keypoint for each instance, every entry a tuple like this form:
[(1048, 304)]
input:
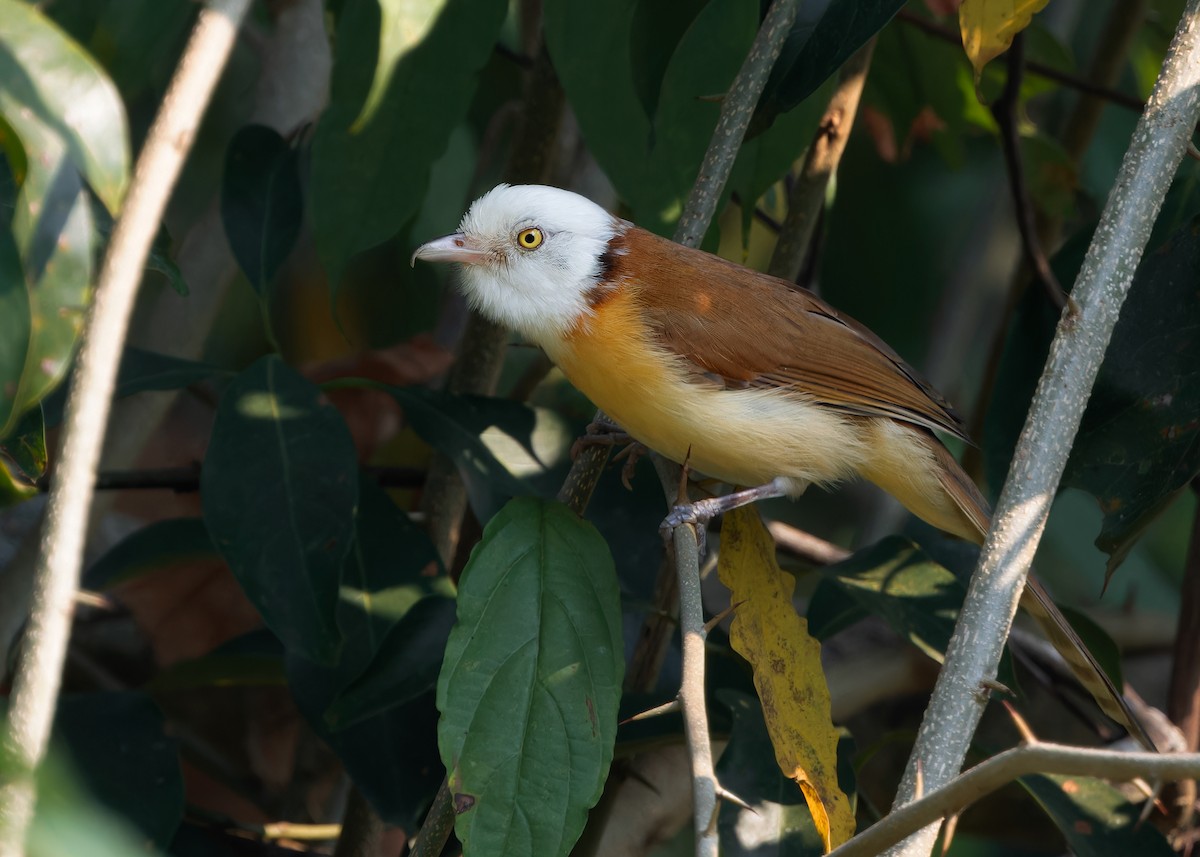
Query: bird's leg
[(701, 512), (632, 455)]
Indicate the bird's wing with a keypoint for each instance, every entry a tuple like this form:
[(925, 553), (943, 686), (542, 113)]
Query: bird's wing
[(754, 330)]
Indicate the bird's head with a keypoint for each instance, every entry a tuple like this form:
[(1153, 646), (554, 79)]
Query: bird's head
[(530, 255)]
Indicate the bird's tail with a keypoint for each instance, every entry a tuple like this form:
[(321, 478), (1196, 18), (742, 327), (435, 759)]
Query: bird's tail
[(1037, 603)]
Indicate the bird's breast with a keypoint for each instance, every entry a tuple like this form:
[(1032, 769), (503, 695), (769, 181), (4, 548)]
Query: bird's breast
[(741, 436)]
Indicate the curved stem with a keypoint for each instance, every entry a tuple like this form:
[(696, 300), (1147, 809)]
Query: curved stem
[(35, 688)]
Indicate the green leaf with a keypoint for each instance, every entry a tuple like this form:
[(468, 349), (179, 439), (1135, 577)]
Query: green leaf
[(367, 183), (254, 659), (52, 230), (390, 753), (1139, 441), (403, 26), (47, 75), (531, 682), (779, 822), (453, 425), (262, 203), (26, 446), (126, 759), (893, 579), (652, 160), (823, 37), (405, 666), (1137, 445), (1095, 818), (14, 312), (279, 486), (154, 547), (391, 568)]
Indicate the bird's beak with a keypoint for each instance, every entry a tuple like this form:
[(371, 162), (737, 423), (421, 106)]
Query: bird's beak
[(451, 248)]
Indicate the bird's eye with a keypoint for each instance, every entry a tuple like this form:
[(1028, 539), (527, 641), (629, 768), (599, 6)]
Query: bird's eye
[(530, 239)]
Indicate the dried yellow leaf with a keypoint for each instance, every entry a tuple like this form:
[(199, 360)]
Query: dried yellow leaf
[(768, 633), (988, 26)]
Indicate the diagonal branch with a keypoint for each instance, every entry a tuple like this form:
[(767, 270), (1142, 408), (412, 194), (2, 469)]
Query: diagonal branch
[(974, 652), (1003, 769), (36, 686)]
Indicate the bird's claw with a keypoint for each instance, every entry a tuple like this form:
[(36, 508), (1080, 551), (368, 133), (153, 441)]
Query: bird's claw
[(697, 514)]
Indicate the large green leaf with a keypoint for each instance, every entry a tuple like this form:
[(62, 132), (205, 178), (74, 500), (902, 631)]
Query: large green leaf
[(824, 35), (46, 75), (531, 682), (1095, 818), (369, 180), (125, 758), (262, 203), (652, 160), (390, 751), (279, 488)]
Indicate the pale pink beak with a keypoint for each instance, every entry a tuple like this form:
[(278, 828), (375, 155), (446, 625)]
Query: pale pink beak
[(451, 248)]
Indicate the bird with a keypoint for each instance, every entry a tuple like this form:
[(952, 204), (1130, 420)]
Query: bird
[(747, 378)]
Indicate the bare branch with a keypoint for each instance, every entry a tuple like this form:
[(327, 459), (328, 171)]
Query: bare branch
[(1002, 769), (807, 197), (35, 688), (974, 652)]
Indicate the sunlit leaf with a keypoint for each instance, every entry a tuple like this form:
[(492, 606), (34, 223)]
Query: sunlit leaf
[(531, 681), (367, 181), (989, 26), (791, 686), (48, 76)]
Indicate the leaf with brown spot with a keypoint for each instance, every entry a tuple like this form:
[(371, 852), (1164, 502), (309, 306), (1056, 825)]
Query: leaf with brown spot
[(791, 686)]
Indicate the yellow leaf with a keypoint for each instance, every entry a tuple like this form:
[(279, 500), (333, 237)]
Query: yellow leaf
[(988, 26), (768, 633)]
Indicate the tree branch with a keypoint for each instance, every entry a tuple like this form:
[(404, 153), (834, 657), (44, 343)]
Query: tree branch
[(807, 197), (1001, 770), (35, 688), (1078, 348)]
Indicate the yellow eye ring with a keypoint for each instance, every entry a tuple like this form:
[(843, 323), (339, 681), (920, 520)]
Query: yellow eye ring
[(530, 239)]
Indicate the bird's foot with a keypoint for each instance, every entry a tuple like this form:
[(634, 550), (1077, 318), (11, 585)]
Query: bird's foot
[(599, 433), (701, 512), (632, 454)]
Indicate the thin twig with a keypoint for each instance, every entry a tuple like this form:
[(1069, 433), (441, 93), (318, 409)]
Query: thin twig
[(1005, 112), (1006, 767), (36, 685), (806, 199), (1078, 348), (1071, 81), (186, 480), (1183, 695), (804, 545), (439, 821), (736, 109)]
